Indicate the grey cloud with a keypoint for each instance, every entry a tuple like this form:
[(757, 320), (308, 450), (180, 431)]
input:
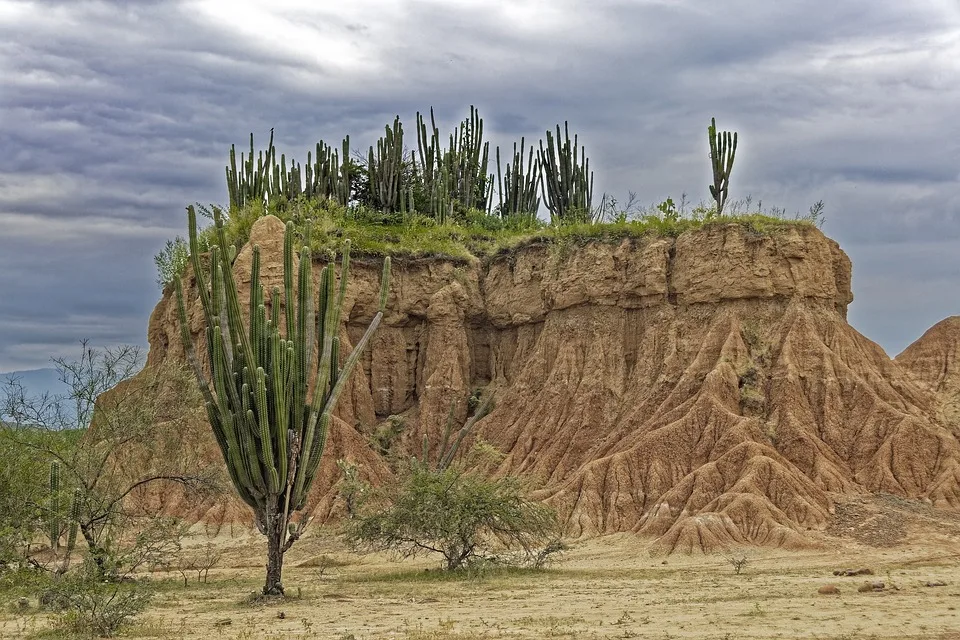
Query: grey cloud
[(116, 115)]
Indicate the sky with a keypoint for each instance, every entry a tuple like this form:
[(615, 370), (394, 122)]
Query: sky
[(116, 115)]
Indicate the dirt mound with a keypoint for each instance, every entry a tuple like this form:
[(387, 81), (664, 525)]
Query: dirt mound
[(706, 390), (934, 363)]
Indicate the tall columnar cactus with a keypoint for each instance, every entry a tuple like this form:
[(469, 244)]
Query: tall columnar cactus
[(385, 167), (328, 176), (252, 181), (519, 196), (723, 148), (567, 181), (274, 379), (431, 168), (56, 523), (468, 157)]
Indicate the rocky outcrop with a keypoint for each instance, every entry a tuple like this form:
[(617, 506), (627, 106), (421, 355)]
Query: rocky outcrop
[(704, 390), (933, 362)]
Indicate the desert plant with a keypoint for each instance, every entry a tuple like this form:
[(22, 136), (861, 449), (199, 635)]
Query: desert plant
[(200, 559), (23, 500), (171, 261), (458, 514), (57, 524), (112, 438), (385, 166), (467, 158), (430, 168), (89, 605), (273, 382), (738, 563), (519, 196), (352, 489), (251, 182), (567, 181), (723, 148), (329, 176)]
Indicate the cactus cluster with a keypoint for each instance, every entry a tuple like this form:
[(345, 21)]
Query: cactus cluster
[(267, 180), (518, 185), (274, 378), (567, 181), (329, 175), (385, 168), (438, 179)]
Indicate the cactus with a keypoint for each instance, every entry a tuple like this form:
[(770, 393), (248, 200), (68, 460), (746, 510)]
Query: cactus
[(55, 529), (430, 164), (567, 184), (519, 198), (468, 158), (723, 148), (56, 524), (274, 379), (252, 183), (385, 168), (327, 176)]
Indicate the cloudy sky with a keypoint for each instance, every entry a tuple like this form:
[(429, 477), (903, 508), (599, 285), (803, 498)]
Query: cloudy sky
[(116, 115)]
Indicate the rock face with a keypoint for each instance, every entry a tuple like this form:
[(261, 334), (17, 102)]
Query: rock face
[(704, 390), (934, 363)]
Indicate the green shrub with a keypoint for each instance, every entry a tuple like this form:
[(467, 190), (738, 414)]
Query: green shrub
[(91, 606), (462, 515), (171, 261)]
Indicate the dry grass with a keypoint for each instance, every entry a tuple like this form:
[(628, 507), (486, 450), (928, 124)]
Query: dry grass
[(605, 588)]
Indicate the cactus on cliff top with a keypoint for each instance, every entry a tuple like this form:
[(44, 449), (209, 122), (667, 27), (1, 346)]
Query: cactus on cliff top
[(274, 378), (723, 148), (567, 181), (518, 192), (385, 167)]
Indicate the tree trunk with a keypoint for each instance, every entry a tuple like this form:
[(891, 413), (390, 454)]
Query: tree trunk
[(97, 553), (275, 535)]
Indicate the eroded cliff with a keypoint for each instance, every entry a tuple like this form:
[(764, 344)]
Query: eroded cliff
[(705, 390)]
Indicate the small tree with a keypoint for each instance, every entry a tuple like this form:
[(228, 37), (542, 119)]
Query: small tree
[(458, 514), (111, 441), (22, 497), (273, 382)]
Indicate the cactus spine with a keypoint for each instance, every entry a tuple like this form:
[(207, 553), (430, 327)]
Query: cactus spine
[(567, 182), (274, 379), (723, 148)]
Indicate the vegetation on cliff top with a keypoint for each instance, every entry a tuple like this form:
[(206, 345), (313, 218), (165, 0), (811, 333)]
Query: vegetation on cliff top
[(444, 200)]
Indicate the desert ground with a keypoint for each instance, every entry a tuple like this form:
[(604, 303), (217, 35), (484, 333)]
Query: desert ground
[(605, 587)]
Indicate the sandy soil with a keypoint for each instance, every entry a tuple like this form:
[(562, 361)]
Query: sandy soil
[(609, 587)]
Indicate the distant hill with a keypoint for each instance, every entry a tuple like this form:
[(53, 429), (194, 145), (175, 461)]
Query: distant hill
[(38, 381)]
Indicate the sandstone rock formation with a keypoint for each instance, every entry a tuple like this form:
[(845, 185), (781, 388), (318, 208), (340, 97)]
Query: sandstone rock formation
[(704, 390), (933, 361)]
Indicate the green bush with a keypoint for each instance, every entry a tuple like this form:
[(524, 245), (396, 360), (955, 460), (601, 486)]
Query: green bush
[(462, 515), (22, 495), (171, 261), (91, 606)]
